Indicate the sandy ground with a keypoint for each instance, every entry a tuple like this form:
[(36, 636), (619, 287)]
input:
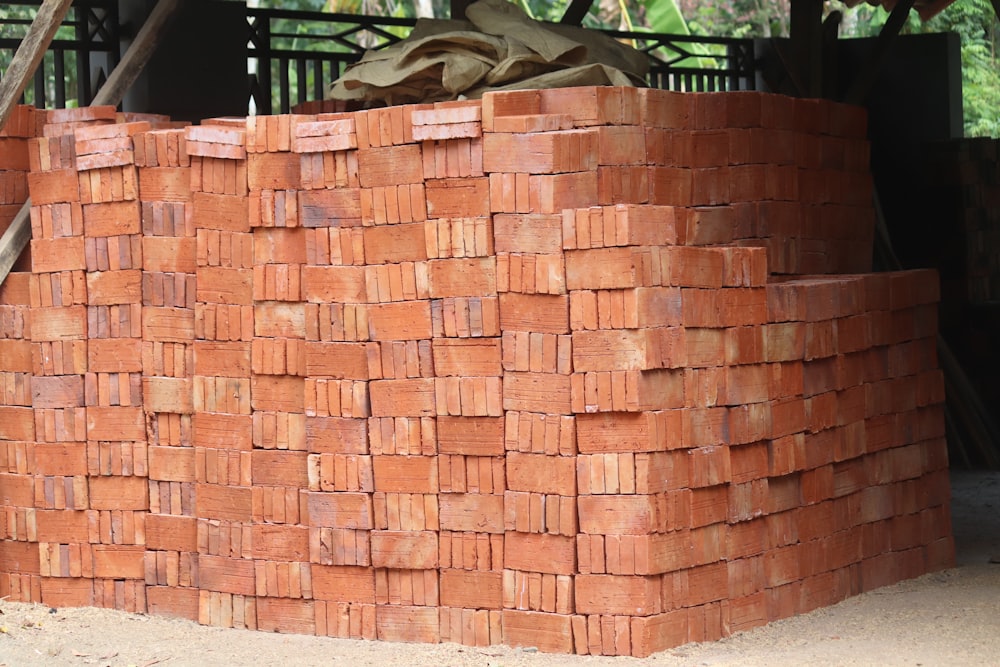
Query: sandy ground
[(945, 618)]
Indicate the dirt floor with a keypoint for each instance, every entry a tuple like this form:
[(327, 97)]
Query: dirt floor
[(945, 618)]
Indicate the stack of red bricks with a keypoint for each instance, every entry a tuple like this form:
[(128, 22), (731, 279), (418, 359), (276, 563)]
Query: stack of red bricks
[(16, 416), (24, 123), (167, 365), (515, 371)]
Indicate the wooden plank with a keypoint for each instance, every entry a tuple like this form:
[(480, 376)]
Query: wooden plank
[(16, 238), (30, 53)]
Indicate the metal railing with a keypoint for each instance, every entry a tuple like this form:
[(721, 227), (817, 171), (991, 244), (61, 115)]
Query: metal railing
[(293, 57), (287, 68), (297, 67), (688, 63), (85, 49)]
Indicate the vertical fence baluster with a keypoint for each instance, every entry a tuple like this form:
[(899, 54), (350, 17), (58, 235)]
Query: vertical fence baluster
[(83, 88), (318, 79), (285, 102), (39, 86), (60, 78), (301, 84), (262, 50)]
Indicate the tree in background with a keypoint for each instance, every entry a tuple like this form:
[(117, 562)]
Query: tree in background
[(976, 23), (737, 18)]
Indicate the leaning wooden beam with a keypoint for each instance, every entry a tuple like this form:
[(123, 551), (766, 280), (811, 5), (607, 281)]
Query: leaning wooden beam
[(139, 52), (16, 238), (30, 53), (578, 9), (866, 77)]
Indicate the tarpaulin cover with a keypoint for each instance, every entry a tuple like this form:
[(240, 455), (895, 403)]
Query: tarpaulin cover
[(498, 47)]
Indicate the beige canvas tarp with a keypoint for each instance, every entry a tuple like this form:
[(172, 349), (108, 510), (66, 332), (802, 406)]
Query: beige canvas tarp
[(499, 47)]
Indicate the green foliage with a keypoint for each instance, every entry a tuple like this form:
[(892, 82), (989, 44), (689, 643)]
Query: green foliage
[(736, 18), (980, 92), (665, 17), (976, 23)]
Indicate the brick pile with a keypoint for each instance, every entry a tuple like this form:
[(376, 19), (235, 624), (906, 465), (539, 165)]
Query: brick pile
[(960, 186), (22, 125), (535, 370)]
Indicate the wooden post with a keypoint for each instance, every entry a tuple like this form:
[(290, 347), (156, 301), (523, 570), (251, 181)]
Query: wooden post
[(831, 64), (30, 53), (807, 45), (578, 9), (886, 37), (16, 238)]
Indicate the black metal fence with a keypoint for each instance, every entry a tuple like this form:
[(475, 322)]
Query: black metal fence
[(84, 51), (292, 57), (292, 67), (695, 64), (289, 67)]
